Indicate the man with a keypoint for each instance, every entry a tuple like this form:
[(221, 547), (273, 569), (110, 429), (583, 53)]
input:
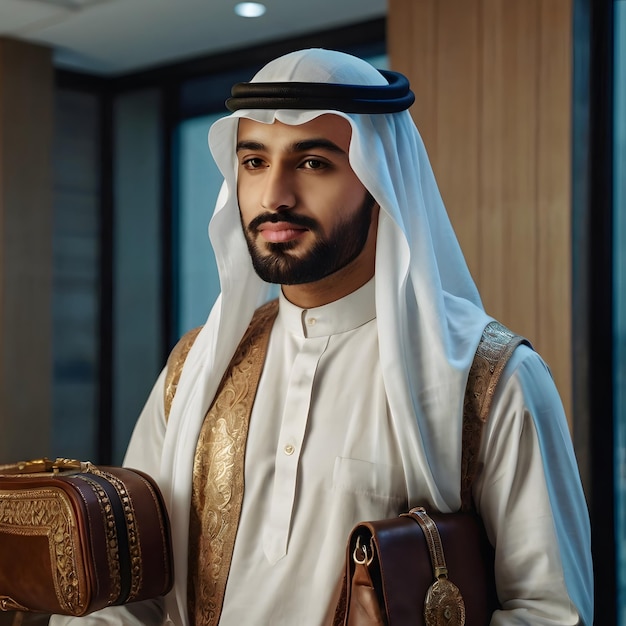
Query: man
[(357, 415)]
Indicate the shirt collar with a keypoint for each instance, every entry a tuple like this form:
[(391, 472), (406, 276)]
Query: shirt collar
[(348, 313)]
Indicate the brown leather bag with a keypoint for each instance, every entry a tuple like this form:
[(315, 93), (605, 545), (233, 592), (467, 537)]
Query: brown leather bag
[(425, 568), (399, 574), (75, 538)]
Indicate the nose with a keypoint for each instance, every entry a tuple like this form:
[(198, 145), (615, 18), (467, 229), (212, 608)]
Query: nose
[(278, 193)]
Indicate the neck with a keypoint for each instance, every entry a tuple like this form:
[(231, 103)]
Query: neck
[(327, 290)]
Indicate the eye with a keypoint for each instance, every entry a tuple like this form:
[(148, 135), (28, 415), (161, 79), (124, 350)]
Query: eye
[(252, 163), (314, 164)]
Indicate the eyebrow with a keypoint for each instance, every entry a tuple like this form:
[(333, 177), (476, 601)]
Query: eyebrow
[(305, 145)]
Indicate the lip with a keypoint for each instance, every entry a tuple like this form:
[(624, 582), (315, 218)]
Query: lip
[(278, 232)]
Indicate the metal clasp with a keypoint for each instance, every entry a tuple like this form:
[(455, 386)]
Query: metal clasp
[(36, 466), (361, 555)]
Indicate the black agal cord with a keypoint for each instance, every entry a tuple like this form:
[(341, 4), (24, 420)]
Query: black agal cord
[(391, 98)]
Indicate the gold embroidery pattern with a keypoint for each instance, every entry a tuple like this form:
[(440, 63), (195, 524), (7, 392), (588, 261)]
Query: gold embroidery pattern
[(496, 346), (136, 570), (108, 519), (47, 512), (218, 475), (175, 363)]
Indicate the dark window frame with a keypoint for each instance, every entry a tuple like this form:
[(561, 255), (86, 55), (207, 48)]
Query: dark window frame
[(592, 298)]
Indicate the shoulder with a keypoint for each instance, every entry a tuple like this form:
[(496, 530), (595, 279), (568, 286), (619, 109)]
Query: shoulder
[(493, 353), (174, 366), (511, 361), (527, 395), (176, 360), (179, 352), (527, 425), (527, 370)]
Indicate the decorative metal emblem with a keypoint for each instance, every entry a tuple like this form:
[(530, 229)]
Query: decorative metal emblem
[(444, 604)]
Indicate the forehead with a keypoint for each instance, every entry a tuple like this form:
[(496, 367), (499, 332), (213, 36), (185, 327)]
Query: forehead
[(331, 127)]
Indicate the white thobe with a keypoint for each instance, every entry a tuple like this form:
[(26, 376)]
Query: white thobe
[(322, 454)]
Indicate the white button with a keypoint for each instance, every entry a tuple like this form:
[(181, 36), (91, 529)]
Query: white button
[(311, 321), (289, 449)]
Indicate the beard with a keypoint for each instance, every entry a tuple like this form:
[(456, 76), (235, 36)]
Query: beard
[(279, 264)]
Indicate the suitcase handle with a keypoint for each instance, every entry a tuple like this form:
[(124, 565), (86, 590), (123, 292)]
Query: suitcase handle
[(44, 465)]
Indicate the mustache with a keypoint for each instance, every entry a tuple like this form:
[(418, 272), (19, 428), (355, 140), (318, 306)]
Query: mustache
[(290, 218)]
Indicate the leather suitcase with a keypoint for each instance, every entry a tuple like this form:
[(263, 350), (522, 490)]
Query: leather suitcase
[(75, 538)]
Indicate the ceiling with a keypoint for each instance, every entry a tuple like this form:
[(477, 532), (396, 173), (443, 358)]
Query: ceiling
[(112, 37)]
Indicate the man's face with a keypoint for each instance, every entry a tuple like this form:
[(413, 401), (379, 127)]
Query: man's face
[(305, 214)]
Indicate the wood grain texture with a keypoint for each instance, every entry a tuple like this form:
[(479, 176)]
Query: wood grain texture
[(492, 80)]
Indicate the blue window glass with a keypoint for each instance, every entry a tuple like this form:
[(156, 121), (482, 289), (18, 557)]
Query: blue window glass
[(199, 184)]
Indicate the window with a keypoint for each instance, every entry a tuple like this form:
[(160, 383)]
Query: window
[(199, 184)]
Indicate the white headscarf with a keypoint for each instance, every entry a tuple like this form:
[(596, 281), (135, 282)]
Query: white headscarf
[(429, 313)]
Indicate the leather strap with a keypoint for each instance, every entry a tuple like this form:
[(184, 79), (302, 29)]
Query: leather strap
[(494, 350), (433, 539)]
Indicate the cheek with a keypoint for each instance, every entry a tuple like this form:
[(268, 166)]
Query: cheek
[(332, 209), (244, 199), (329, 195)]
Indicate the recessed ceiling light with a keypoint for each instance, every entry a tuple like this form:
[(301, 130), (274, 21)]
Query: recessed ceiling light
[(250, 9)]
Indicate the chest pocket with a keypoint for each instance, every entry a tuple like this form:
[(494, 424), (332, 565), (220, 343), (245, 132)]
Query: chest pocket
[(375, 480)]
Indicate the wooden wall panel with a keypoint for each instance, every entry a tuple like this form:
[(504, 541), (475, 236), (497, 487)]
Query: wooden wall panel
[(508, 155), (493, 103), (414, 53), (554, 246), (458, 64)]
